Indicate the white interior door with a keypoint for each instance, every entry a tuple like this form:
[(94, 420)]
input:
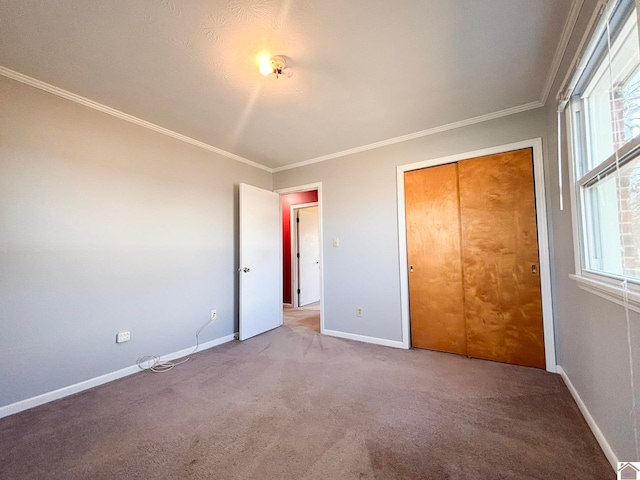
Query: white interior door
[(309, 260), (260, 261)]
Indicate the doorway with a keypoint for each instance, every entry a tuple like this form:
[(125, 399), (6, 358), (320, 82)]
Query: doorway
[(306, 255), (304, 202), (542, 269)]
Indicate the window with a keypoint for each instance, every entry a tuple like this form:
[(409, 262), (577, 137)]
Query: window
[(605, 121)]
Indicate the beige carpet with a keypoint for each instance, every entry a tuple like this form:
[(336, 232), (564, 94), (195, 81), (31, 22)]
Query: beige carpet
[(311, 306), (291, 404)]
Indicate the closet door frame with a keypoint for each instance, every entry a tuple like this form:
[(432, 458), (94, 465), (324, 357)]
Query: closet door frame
[(543, 237)]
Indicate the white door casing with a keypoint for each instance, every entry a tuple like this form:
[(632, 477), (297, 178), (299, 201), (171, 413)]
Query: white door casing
[(305, 188), (260, 286)]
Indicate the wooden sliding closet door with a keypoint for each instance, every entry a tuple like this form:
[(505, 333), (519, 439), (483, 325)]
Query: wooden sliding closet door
[(433, 250), (472, 246), (503, 306)]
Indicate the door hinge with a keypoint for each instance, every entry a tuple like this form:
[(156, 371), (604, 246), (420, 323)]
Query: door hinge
[(297, 255), (298, 291), (297, 219)]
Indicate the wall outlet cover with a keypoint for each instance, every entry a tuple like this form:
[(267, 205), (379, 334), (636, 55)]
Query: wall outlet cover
[(123, 336)]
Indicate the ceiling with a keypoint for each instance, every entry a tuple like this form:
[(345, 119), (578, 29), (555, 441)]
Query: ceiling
[(365, 71)]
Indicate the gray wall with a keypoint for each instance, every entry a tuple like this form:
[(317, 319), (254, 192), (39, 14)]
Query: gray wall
[(360, 208), (106, 226), (359, 201), (591, 333)]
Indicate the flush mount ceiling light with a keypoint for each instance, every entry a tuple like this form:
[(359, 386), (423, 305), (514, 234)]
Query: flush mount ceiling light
[(275, 65)]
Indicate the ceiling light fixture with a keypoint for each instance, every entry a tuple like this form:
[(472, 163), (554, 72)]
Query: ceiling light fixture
[(275, 65)]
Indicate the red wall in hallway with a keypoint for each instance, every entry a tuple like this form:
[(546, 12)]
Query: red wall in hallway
[(288, 200)]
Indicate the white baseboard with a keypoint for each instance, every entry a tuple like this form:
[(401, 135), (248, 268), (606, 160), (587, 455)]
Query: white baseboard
[(606, 448), (28, 403), (363, 338)]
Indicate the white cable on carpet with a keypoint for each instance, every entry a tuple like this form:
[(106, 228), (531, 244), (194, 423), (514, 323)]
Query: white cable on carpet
[(157, 366)]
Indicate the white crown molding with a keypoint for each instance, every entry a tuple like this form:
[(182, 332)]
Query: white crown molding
[(411, 136), (589, 31), (151, 126), (567, 31), (20, 77)]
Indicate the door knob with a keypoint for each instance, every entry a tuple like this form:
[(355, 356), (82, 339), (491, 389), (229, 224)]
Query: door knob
[(411, 268), (246, 269)]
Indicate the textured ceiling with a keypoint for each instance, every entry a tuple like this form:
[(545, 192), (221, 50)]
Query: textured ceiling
[(365, 71)]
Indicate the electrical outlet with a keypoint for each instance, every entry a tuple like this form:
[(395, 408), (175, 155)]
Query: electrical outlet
[(123, 336), (359, 311), (214, 315)]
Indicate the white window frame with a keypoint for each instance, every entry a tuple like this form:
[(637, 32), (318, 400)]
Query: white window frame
[(605, 285)]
